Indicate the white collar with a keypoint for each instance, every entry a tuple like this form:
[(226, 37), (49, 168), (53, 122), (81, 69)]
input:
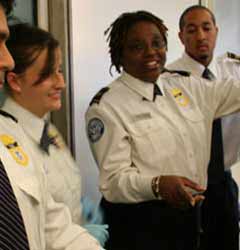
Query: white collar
[(31, 124), (197, 68)]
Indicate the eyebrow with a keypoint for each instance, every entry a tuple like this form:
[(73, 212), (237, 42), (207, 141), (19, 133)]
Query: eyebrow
[(193, 24)]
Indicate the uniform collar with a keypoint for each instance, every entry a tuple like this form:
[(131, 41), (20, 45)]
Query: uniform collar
[(197, 68), (145, 89), (32, 125)]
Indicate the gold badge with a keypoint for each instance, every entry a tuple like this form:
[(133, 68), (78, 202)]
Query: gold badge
[(180, 98), (15, 150)]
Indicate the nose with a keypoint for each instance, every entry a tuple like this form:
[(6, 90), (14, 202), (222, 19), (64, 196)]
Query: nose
[(150, 50), (60, 82), (200, 34), (6, 60)]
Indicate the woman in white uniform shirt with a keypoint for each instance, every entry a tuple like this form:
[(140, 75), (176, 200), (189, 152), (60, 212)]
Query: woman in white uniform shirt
[(35, 87), (150, 135)]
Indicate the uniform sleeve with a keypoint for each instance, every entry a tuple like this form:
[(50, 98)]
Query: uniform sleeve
[(216, 98), (61, 233), (120, 179), (226, 96)]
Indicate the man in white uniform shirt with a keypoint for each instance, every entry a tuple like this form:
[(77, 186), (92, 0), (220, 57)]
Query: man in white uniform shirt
[(29, 218), (198, 33)]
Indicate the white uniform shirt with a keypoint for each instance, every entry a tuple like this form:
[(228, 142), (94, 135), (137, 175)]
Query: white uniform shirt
[(134, 138), (48, 224), (63, 174), (221, 67)]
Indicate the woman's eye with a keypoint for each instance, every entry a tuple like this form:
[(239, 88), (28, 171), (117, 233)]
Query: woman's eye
[(158, 44), (136, 46)]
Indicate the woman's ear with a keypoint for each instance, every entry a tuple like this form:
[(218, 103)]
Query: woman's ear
[(13, 82)]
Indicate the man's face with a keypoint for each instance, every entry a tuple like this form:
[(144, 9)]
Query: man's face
[(6, 60), (199, 35)]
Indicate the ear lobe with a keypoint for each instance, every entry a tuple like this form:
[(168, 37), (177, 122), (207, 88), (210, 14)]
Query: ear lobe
[(13, 82)]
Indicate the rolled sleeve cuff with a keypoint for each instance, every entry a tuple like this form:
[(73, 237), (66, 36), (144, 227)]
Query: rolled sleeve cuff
[(145, 185)]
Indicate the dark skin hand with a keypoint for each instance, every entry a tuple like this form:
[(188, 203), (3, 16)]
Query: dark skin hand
[(178, 191)]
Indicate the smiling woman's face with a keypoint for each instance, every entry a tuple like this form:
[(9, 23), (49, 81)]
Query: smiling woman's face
[(144, 52), (45, 96)]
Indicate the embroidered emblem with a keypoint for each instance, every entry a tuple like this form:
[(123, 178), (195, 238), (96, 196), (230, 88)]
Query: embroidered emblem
[(95, 129), (180, 98), (15, 150)]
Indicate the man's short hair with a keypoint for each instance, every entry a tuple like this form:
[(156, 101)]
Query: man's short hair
[(7, 5), (194, 7)]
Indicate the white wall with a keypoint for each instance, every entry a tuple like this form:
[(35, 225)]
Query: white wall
[(227, 16), (90, 60)]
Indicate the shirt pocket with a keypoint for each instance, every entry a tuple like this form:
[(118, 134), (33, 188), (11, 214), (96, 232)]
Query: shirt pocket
[(31, 189), (152, 139), (192, 114)]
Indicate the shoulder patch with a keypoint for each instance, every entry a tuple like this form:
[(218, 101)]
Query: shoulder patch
[(180, 72), (14, 149), (95, 129), (233, 56), (97, 98)]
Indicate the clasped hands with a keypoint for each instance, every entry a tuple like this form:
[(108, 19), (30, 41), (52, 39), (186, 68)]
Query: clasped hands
[(180, 191)]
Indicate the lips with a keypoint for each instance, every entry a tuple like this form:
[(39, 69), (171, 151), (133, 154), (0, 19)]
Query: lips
[(202, 47), (56, 95), (152, 65)]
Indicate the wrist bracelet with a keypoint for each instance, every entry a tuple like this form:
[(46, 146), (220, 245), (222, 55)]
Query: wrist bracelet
[(155, 186)]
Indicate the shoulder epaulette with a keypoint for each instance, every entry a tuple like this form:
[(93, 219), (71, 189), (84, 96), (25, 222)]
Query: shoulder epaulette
[(233, 56), (97, 98), (180, 72), (6, 114)]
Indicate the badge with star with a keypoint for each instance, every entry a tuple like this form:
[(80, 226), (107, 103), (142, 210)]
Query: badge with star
[(180, 98), (15, 150)]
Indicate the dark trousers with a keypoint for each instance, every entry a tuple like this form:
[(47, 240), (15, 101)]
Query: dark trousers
[(150, 225), (220, 216)]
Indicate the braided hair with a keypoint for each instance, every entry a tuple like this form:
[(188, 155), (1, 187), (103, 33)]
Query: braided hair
[(117, 33)]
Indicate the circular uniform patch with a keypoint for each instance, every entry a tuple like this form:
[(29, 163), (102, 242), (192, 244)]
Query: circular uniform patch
[(95, 129)]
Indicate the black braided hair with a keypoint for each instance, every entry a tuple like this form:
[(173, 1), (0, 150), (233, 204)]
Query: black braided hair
[(117, 33)]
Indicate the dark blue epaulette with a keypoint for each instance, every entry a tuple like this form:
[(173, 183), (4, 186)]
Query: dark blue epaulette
[(6, 114), (180, 72), (233, 56), (97, 98)]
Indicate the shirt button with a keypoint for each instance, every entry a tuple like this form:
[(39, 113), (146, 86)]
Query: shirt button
[(190, 155)]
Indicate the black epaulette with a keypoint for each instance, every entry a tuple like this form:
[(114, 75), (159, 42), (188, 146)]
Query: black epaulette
[(233, 56), (180, 72), (6, 114), (97, 98)]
